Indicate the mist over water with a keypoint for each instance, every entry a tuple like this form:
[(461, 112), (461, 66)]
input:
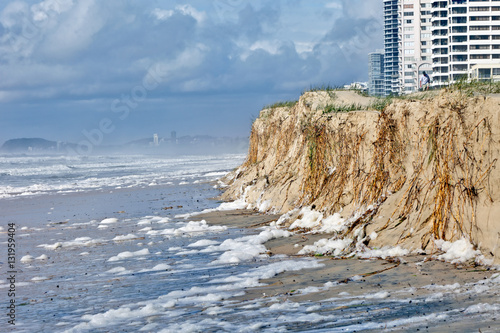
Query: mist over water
[(40, 174)]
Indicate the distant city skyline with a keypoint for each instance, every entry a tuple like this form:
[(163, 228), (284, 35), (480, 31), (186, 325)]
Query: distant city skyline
[(126, 70)]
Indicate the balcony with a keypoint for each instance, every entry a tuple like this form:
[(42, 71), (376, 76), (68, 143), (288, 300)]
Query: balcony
[(439, 52), (459, 58)]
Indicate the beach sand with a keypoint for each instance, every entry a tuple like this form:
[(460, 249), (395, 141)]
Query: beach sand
[(413, 276)]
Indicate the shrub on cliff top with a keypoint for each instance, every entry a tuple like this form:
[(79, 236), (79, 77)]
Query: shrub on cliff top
[(324, 87), (471, 87), (281, 104), (332, 108)]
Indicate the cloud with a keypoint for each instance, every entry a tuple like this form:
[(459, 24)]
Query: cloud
[(162, 14), (58, 52), (115, 42), (75, 30), (44, 10), (334, 5)]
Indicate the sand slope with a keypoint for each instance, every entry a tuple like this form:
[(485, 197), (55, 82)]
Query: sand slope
[(420, 170)]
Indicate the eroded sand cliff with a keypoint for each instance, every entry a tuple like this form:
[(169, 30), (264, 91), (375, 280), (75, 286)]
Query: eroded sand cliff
[(420, 170)]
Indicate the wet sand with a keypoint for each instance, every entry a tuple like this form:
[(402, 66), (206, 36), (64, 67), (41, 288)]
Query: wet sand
[(411, 277)]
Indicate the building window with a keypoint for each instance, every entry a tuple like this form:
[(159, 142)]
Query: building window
[(460, 39), (459, 10), (479, 27), (476, 37), (479, 47), (459, 29), (480, 56), (478, 18), (479, 9), (458, 20)]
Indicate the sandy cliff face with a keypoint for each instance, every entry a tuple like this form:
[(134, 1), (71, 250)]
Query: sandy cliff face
[(420, 170)]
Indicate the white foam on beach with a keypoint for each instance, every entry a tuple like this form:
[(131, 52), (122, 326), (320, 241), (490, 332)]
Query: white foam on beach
[(149, 220), (129, 254), (314, 221), (246, 248), (118, 270), (385, 252), (447, 287), (110, 220), (198, 296), (482, 307), (312, 289), (396, 323), (459, 251), (189, 229), (309, 219), (40, 278), (327, 246), (77, 242), (203, 243), (27, 259), (379, 295), (125, 237), (333, 223)]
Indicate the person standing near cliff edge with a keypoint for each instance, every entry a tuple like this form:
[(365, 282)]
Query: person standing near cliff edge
[(424, 81)]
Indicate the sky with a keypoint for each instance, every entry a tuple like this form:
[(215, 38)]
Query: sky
[(118, 70)]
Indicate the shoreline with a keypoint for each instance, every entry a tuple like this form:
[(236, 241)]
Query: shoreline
[(354, 276), (347, 289)]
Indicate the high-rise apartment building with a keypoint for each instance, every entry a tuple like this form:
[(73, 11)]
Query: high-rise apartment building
[(415, 43), (465, 33), (391, 47), (445, 38), (376, 77)]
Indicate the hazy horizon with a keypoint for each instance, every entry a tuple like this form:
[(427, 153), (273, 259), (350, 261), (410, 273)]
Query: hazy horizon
[(129, 70)]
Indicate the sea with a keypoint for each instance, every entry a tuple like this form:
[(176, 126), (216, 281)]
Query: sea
[(108, 244)]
